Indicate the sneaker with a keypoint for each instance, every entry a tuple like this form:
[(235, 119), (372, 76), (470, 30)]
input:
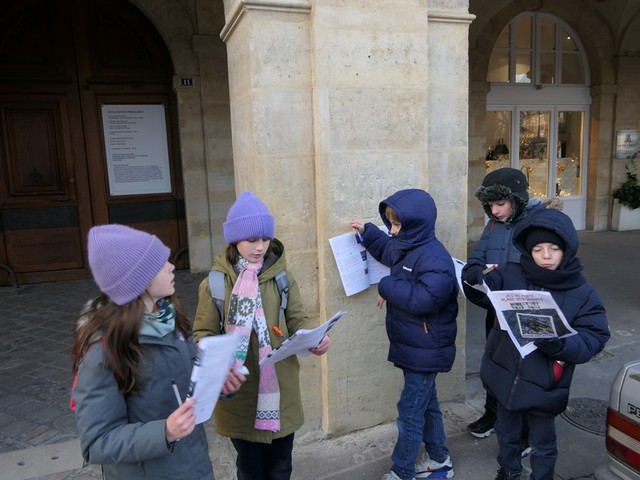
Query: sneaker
[(483, 427), (503, 475), (525, 449), (393, 476), (428, 468)]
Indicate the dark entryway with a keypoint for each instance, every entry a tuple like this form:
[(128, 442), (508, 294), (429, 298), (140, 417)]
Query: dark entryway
[(61, 63)]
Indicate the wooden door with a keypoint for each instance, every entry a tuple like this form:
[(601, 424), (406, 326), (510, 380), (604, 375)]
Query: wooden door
[(61, 61)]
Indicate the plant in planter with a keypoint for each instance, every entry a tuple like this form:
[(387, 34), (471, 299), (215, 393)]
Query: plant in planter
[(628, 193)]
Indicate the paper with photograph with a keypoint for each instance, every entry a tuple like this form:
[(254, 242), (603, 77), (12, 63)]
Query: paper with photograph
[(358, 270), (529, 315)]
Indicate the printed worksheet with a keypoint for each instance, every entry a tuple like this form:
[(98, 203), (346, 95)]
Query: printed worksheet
[(358, 270), (300, 342), (210, 369), (529, 315)]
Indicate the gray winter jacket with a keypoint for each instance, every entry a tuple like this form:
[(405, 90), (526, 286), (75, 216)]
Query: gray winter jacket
[(126, 434)]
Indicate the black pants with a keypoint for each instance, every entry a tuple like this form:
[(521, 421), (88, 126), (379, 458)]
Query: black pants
[(491, 404), (261, 461)]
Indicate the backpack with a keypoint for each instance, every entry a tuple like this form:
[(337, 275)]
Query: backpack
[(216, 284)]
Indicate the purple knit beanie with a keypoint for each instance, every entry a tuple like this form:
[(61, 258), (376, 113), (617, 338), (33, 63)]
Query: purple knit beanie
[(248, 218), (124, 261)]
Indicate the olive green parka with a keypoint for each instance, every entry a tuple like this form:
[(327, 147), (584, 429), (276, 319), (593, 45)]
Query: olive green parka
[(235, 417)]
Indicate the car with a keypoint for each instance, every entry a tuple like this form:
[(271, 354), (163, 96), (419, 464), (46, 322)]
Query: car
[(623, 427)]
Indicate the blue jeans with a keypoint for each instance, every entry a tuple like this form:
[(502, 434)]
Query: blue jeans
[(542, 438), (419, 421)]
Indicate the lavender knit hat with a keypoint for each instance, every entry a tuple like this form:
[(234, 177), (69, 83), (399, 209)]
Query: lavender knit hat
[(124, 261), (248, 218)]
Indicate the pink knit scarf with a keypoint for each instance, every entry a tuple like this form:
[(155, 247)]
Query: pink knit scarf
[(246, 313)]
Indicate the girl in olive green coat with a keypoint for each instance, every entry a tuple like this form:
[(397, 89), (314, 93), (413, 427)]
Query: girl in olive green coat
[(262, 417)]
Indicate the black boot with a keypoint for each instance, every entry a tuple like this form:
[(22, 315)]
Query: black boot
[(483, 427), (504, 475)]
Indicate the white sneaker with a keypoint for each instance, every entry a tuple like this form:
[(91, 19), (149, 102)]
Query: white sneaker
[(428, 468), (392, 476)]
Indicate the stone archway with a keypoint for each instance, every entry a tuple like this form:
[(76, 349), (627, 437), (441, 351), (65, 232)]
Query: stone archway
[(201, 87), (63, 63), (600, 49)]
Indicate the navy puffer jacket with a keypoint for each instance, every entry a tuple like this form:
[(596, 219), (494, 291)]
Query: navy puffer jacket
[(529, 384), (421, 290)]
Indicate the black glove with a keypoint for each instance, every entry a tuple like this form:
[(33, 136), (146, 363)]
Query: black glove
[(550, 346), (472, 274)]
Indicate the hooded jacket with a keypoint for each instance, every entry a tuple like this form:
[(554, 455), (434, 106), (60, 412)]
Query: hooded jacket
[(126, 433), (529, 384), (235, 417), (421, 290)]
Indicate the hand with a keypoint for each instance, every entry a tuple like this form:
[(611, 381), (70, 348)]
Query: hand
[(380, 302), (181, 422), (472, 274), (322, 347), (233, 382), (358, 225), (550, 346)]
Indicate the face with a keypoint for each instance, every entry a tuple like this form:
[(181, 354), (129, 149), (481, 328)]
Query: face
[(501, 209), (163, 284), (254, 249), (393, 220), (547, 255)]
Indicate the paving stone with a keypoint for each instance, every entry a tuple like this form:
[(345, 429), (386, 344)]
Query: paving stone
[(16, 428)]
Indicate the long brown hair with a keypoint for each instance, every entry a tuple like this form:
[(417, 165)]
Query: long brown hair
[(118, 328)]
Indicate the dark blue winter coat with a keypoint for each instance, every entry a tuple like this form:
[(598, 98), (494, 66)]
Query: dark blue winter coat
[(495, 244), (421, 291), (528, 384)]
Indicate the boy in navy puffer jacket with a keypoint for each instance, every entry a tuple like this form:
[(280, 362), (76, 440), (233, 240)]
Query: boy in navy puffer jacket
[(537, 386), (421, 296)]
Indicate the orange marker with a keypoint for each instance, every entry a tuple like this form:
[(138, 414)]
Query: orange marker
[(277, 330)]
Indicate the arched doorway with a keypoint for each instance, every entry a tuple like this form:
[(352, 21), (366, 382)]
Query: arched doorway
[(87, 133), (539, 106)]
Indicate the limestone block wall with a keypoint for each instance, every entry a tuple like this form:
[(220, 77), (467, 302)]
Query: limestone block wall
[(387, 117), (324, 108)]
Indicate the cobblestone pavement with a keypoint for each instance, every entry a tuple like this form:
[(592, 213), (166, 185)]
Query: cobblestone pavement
[(35, 362)]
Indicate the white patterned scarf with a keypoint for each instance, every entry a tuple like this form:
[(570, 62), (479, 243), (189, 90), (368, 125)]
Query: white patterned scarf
[(245, 314)]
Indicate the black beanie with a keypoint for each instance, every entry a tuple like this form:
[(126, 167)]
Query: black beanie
[(503, 183), (542, 235)]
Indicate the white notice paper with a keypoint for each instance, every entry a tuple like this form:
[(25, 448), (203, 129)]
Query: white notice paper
[(358, 269), (210, 369), (300, 342)]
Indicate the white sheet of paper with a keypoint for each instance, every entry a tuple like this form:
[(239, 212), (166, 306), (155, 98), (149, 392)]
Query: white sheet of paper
[(300, 342), (459, 265), (351, 259), (528, 315), (210, 370), (357, 268)]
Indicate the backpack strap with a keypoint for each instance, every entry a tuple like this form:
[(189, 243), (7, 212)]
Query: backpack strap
[(283, 287), (216, 285)]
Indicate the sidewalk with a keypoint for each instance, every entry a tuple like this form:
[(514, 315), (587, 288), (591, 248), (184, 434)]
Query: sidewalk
[(37, 437)]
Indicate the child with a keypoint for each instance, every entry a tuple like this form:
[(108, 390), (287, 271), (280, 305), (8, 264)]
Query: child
[(262, 417), (537, 386), (505, 200), (129, 345), (421, 295)]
